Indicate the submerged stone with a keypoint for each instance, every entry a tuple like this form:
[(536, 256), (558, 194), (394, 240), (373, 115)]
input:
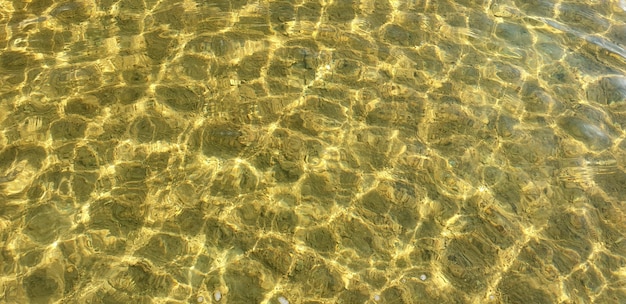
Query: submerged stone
[(608, 90), (592, 135)]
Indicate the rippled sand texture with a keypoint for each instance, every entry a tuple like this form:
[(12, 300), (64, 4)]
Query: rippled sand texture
[(322, 152)]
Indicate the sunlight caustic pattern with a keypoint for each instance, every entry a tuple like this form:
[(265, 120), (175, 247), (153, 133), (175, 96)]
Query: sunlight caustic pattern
[(312, 151)]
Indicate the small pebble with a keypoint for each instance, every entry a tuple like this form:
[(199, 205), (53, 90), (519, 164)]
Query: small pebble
[(376, 298), (423, 277), (217, 296), (200, 299), (282, 300)]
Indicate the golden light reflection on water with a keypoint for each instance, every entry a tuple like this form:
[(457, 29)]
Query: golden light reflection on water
[(312, 152)]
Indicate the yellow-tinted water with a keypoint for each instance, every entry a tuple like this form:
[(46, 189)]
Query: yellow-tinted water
[(312, 152)]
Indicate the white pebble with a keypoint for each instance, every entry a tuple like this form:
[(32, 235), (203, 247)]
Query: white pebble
[(217, 296), (282, 300), (423, 277), (376, 298), (200, 299)]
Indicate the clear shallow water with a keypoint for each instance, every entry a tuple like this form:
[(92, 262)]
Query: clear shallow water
[(375, 152)]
